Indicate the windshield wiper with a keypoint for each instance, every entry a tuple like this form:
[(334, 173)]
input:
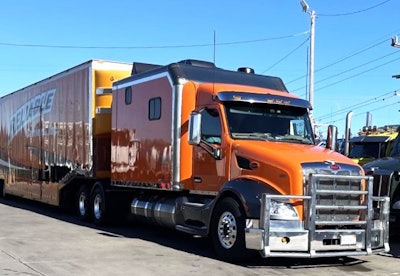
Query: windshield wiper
[(289, 138), (253, 136)]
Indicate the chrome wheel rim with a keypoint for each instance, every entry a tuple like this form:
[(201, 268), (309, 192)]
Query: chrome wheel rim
[(97, 207), (227, 230), (82, 204)]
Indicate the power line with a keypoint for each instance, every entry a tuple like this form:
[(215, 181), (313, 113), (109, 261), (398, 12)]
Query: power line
[(352, 55), (359, 114), (368, 102), (359, 105), (358, 74), (343, 59), (353, 68), (345, 109), (286, 56), (359, 11), (149, 47)]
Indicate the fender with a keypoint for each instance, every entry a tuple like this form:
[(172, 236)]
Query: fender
[(249, 192)]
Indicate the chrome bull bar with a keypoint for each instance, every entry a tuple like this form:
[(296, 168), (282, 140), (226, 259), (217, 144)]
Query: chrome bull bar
[(360, 227)]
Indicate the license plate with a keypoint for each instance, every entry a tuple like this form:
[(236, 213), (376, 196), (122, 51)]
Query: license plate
[(348, 240)]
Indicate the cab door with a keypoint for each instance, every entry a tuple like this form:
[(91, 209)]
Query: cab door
[(209, 164)]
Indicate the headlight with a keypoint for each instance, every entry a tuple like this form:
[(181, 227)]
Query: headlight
[(282, 211)]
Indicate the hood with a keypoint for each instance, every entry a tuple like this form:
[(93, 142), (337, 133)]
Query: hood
[(288, 153), (387, 163), (280, 164)]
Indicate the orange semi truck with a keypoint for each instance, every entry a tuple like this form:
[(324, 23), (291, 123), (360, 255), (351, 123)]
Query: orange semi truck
[(225, 154)]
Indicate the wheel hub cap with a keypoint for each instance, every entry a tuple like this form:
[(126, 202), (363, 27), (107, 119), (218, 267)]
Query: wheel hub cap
[(82, 204), (97, 207), (227, 230)]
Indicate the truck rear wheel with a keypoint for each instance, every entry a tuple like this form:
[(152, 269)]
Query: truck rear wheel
[(83, 202), (227, 230), (2, 189), (100, 206)]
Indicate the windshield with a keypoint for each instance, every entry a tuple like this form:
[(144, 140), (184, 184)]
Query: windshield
[(260, 121), (367, 150)]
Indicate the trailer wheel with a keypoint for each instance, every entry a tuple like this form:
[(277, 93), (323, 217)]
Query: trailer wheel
[(99, 206), (83, 202), (227, 230)]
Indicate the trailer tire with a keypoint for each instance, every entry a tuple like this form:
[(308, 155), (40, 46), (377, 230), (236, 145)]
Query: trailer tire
[(227, 231), (83, 203), (100, 206)]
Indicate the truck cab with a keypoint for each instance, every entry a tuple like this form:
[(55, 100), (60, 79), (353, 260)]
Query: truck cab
[(232, 155), (372, 143)]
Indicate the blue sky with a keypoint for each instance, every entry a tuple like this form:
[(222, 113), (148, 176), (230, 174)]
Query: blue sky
[(354, 61)]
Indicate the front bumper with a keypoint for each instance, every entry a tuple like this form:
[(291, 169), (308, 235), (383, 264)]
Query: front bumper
[(279, 238)]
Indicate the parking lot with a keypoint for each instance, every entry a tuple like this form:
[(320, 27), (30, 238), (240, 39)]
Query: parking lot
[(37, 239)]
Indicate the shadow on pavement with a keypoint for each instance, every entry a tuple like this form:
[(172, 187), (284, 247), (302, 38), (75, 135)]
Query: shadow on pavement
[(134, 229)]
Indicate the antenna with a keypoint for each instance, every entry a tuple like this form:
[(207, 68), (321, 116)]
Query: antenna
[(214, 62), (214, 46)]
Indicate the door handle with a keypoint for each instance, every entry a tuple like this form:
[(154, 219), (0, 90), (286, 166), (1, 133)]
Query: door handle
[(197, 179)]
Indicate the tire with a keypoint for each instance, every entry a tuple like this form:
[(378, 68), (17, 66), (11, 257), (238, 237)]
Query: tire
[(2, 189), (227, 231), (83, 203), (99, 205)]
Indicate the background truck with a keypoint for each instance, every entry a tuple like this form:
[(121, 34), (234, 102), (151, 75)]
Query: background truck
[(386, 173), (211, 152), (372, 143)]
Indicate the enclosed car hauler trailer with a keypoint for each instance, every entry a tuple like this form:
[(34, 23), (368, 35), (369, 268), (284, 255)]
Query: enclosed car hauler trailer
[(54, 129), (225, 154)]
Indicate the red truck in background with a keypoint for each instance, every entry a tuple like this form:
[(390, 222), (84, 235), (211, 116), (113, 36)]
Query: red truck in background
[(206, 151)]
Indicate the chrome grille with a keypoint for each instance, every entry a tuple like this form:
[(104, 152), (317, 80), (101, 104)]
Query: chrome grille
[(338, 200), (338, 195)]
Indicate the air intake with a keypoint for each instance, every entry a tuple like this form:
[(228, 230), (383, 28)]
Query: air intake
[(198, 63), (246, 70)]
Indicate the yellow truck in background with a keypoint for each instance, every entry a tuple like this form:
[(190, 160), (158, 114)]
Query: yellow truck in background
[(372, 143)]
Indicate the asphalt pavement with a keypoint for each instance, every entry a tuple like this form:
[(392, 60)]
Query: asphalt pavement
[(37, 239)]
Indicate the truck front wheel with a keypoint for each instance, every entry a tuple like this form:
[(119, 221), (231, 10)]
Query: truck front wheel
[(227, 230)]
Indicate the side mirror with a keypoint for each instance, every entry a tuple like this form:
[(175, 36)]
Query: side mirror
[(331, 137), (194, 128)]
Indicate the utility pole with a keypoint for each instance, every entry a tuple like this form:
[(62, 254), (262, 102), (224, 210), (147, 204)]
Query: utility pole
[(305, 7), (395, 43)]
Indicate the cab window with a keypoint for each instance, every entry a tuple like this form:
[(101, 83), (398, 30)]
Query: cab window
[(210, 126)]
